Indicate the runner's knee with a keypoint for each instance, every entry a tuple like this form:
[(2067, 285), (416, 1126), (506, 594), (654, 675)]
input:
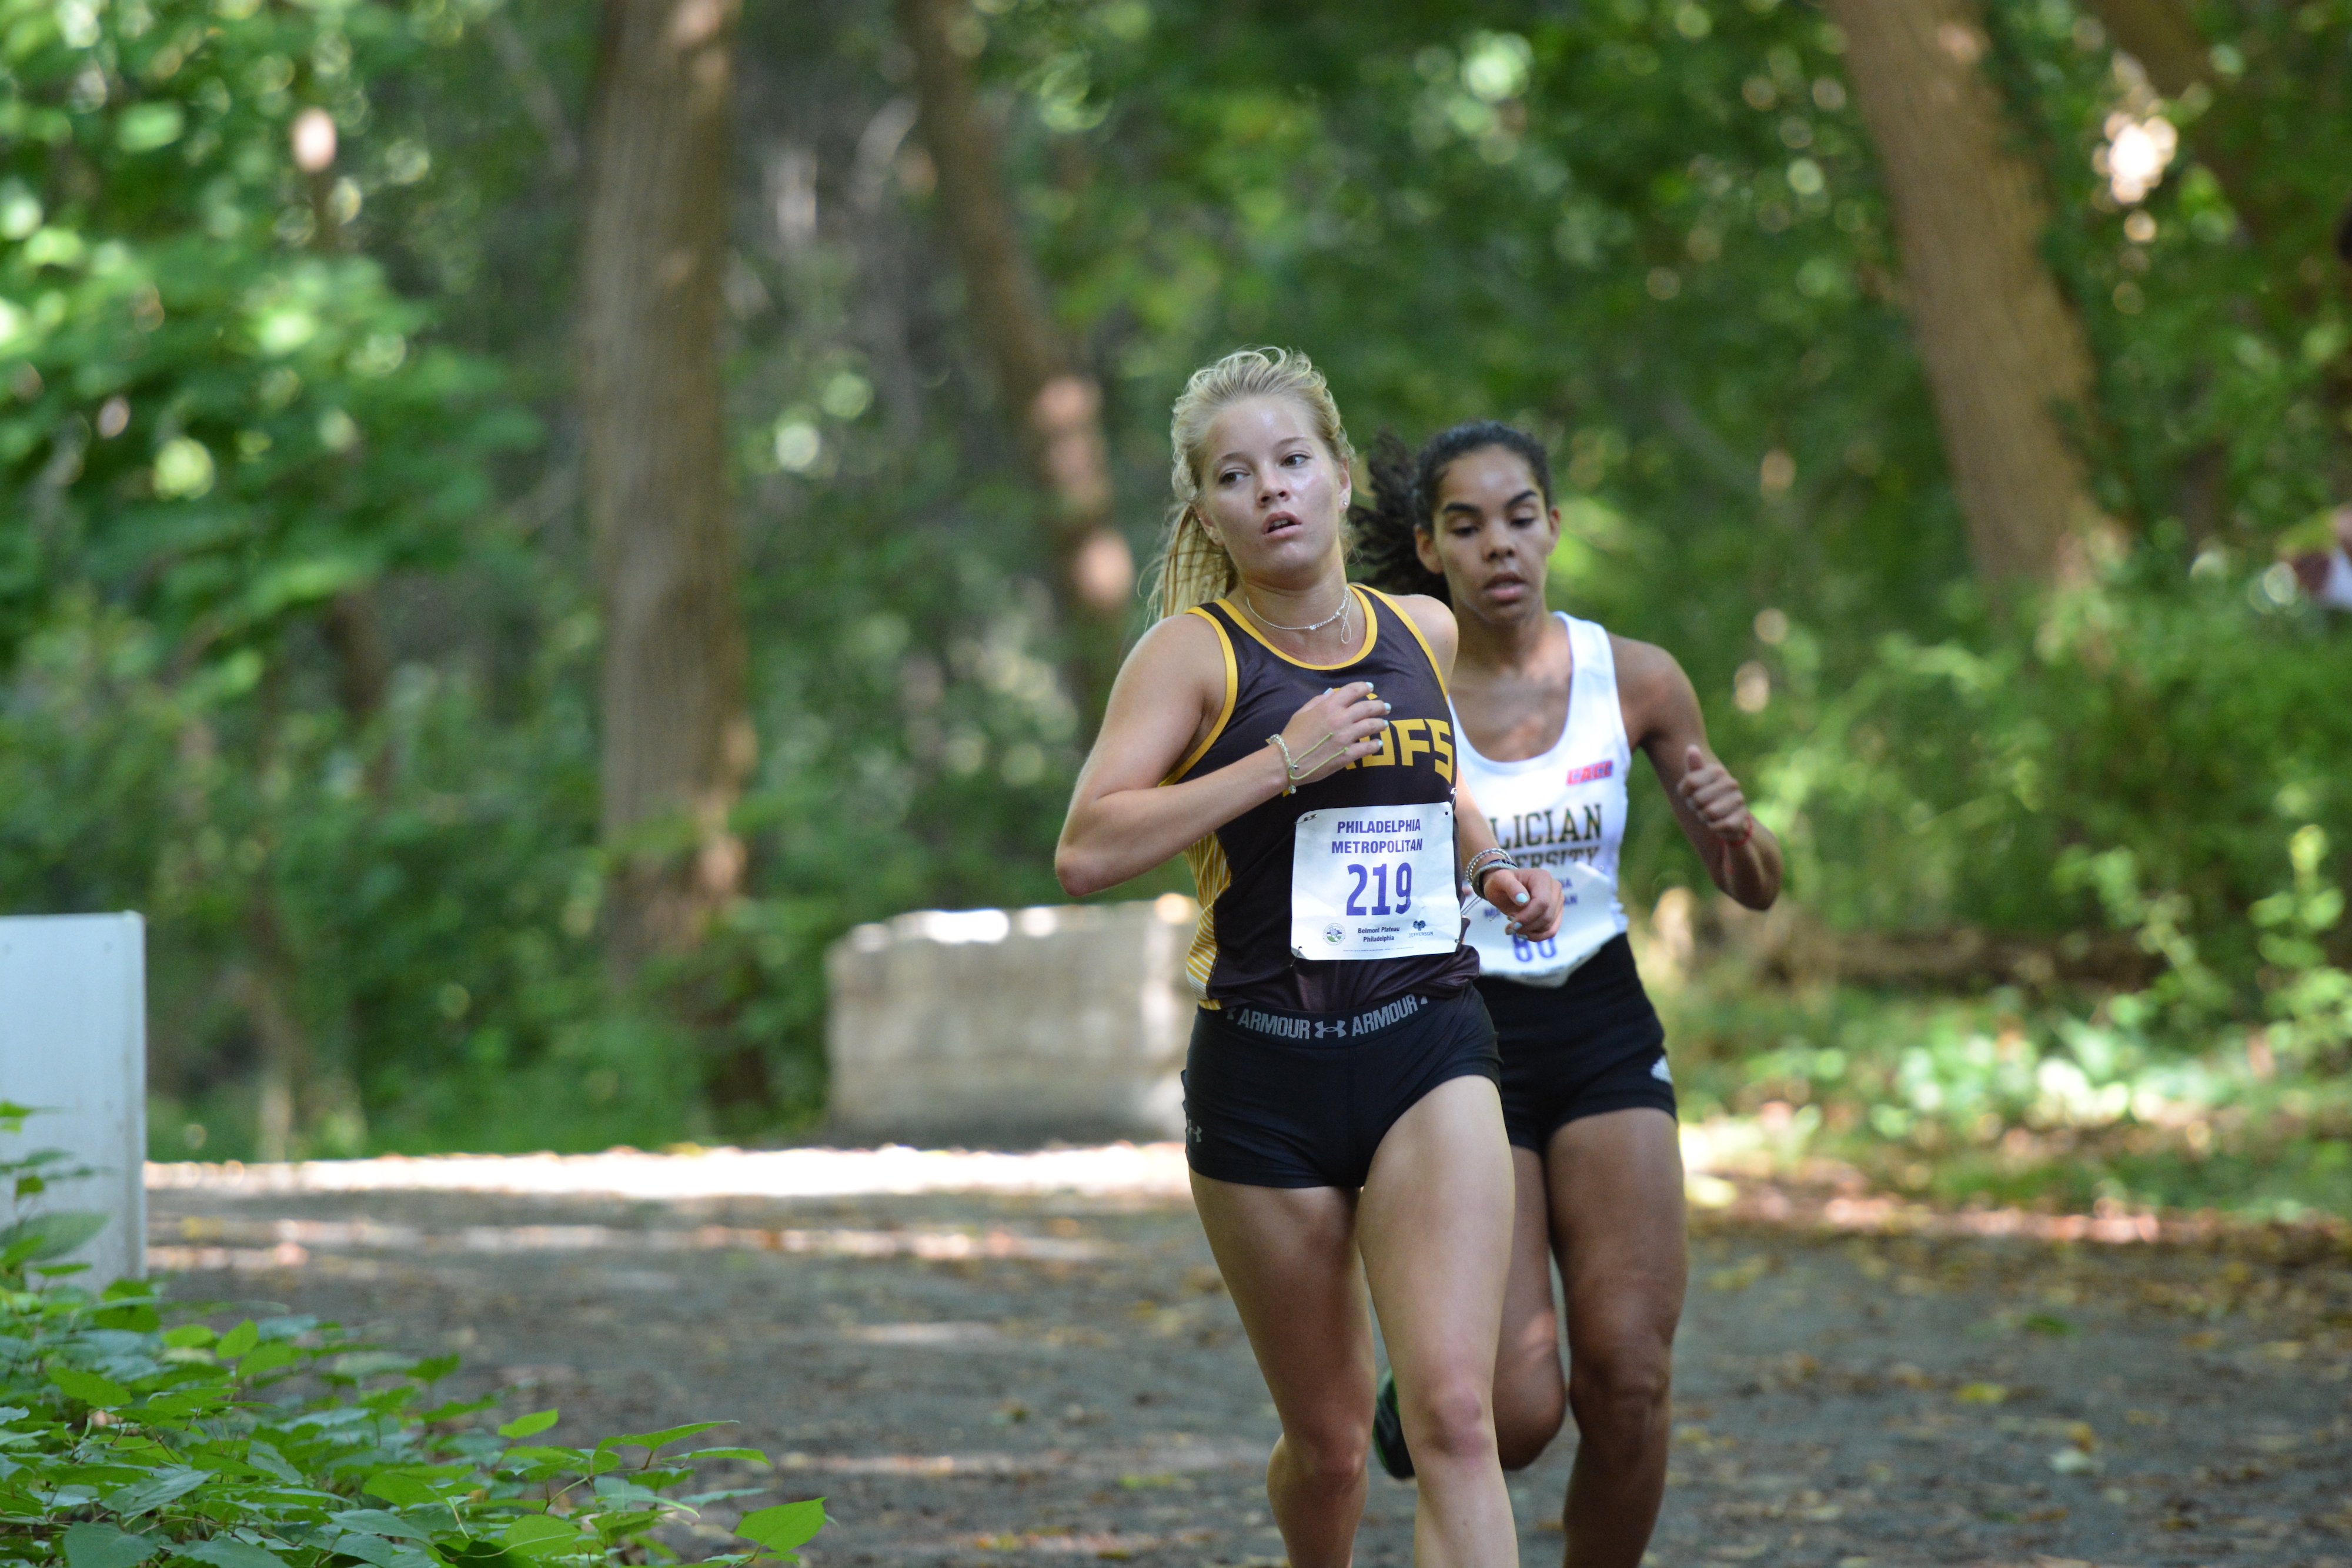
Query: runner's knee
[(1328, 1454), (1619, 1388), (1527, 1419), (1448, 1418)]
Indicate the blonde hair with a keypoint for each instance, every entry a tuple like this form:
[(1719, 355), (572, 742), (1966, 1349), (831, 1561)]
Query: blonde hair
[(1194, 569)]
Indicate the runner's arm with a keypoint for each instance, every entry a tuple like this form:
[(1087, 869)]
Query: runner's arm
[(1662, 718), (1528, 896), (1124, 820)]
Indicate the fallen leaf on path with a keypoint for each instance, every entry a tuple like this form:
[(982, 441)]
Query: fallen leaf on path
[(1982, 1393), (1739, 1276)]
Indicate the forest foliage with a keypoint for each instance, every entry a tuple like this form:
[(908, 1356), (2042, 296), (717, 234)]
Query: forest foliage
[(298, 625), (282, 1442)]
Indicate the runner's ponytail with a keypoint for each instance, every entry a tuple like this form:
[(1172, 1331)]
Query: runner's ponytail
[(1384, 555)]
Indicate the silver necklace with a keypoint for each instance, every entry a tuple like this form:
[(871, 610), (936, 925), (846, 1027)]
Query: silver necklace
[(1341, 614)]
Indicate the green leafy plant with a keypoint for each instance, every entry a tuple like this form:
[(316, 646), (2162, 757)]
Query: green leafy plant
[(281, 1443), (34, 1234)]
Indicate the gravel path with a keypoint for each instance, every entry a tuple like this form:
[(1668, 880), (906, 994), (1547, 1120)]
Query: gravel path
[(1006, 1379)]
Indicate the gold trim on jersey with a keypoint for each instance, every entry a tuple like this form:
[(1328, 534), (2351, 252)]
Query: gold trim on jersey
[(1232, 694), (1212, 874), (1372, 634), (1409, 625)]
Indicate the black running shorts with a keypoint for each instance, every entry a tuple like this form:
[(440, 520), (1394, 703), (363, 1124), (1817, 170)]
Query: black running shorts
[(1591, 1045), (1282, 1099)]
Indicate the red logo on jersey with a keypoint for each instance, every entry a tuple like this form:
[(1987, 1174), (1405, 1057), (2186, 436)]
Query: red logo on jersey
[(1592, 770)]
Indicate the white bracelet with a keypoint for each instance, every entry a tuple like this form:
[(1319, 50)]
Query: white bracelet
[(1289, 769), (1483, 862)]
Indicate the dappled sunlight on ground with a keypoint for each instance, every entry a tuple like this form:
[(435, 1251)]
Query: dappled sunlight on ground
[(1046, 1366)]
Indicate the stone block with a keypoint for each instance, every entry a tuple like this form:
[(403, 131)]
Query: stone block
[(73, 1046), (992, 1026)]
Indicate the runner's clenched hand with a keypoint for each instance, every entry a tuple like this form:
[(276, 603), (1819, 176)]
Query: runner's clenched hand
[(1341, 727), (1528, 896), (1715, 797)]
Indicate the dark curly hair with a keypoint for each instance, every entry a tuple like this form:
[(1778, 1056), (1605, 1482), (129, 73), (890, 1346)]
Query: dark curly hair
[(1404, 496)]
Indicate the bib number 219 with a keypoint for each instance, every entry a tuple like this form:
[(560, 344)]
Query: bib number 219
[(1375, 878)]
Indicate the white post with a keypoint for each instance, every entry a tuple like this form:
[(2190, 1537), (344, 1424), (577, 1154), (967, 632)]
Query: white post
[(73, 1046)]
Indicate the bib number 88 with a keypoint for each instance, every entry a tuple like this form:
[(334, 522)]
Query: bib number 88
[(1375, 879), (1526, 951)]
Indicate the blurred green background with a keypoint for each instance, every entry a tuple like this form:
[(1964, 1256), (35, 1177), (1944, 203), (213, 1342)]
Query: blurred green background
[(301, 623)]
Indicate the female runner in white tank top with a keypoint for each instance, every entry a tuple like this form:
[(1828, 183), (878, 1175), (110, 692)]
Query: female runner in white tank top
[(1548, 711)]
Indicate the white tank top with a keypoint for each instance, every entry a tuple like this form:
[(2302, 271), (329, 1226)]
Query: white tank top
[(1564, 810)]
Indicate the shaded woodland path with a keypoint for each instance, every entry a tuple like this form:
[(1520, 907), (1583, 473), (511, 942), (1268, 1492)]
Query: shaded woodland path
[(1016, 1379)]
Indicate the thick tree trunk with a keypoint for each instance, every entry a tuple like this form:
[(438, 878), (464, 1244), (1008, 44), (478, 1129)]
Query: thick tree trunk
[(677, 735), (2007, 360), (2163, 37), (1057, 405)]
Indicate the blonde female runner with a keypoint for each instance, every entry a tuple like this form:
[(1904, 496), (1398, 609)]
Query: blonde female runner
[(1289, 733)]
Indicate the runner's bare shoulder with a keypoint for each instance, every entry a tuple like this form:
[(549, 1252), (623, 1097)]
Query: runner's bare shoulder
[(1652, 689), (1435, 621), (1176, 668)]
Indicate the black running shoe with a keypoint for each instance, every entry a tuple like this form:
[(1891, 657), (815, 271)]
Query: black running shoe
[(1388, 1431)]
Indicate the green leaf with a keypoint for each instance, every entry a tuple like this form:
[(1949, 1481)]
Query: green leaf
[(267, 1358), (783, 1527), (139, 1316), (41, 1237), (222, 1551), (432, 1369), (104, 1546), (382, 1553), (237, 1341), (188, 1336), (537, 1535), (144, 127), (376, 1522), (478, 1554), (530, 1426), (747, 1455), (144, 1496), (456, 1409), (402, 1489), (662, 1438), (90, 1387), (264, 1457)]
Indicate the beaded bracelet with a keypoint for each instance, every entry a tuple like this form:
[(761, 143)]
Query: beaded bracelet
[(1289, 769), (1293, 768), (1486, 860)]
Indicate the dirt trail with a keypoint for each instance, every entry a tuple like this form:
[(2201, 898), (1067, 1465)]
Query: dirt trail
[(1010, 1380)]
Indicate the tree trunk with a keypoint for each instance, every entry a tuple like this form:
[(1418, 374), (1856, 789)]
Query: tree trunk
[(1057, 405), (2163, 37), (677, 735), (2006, 359)]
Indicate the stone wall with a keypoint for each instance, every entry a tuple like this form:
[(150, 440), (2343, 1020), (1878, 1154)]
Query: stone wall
[(992, 1026)]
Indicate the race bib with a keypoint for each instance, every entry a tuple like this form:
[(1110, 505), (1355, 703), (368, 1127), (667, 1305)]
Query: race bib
[(1376, 881), (1588, 919)]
